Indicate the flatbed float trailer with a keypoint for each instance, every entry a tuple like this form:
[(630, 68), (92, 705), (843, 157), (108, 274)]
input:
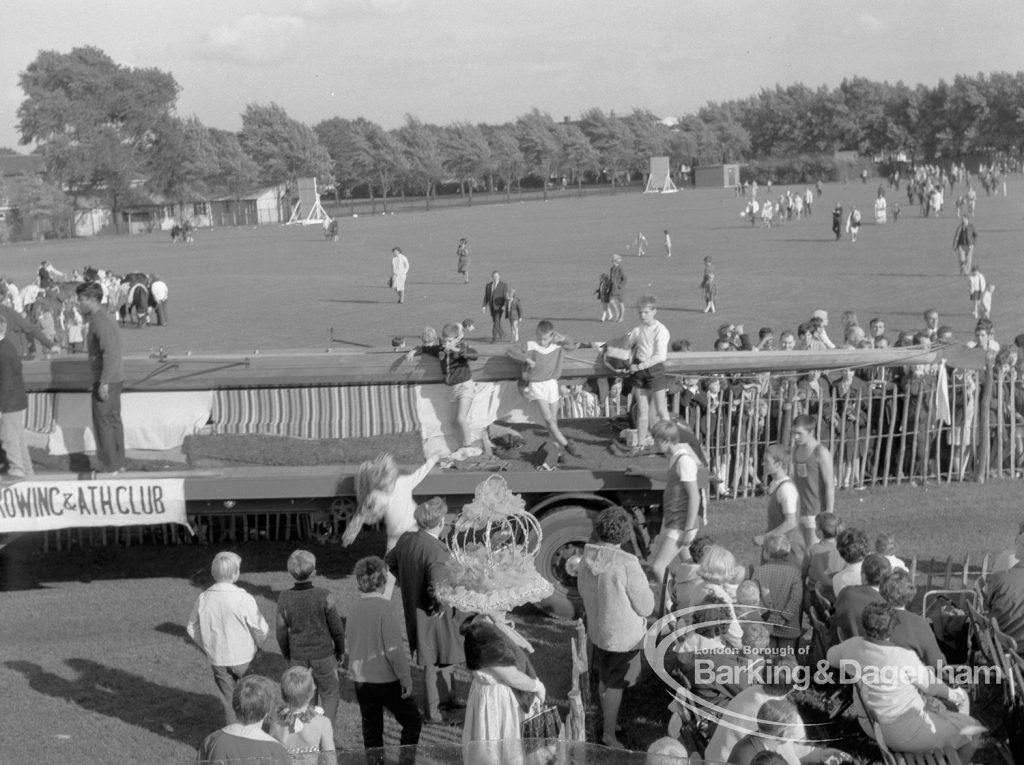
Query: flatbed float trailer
[(565, 501)]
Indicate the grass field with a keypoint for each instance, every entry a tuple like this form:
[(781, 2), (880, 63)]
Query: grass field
[(93, 658), (283, 287)]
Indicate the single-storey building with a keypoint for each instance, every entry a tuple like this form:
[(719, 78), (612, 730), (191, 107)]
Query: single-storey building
[(716, 176), (255, 208)]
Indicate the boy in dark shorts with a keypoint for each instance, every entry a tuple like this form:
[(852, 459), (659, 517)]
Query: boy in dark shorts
[(681, 518), (649, 341), (617, 600)]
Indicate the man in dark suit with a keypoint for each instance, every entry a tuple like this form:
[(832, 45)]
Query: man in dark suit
[(418, 560), (852, 600), (495, 298), (13, 405)]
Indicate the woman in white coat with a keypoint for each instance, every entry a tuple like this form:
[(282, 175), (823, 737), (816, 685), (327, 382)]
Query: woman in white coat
[(399, 270)]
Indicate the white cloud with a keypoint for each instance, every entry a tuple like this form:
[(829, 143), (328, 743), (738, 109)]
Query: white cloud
[(254, 39)]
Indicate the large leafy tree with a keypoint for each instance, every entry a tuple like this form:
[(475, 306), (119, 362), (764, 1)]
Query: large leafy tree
[(94, 120), (284, 149), (234, 172), (538, 142), (182, 160), (577, 156), (507, 159), (422, 153), (650, 139), (466, 154), (612, 138), (374, 155), (42, 207), (333, 134)]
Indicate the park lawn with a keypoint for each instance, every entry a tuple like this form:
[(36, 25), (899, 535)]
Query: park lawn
[(285, 287), (97, 669)]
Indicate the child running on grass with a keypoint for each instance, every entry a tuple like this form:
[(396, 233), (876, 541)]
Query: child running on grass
[(542, 365)]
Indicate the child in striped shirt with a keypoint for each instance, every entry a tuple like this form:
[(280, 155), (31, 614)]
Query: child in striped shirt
[(542, 365)]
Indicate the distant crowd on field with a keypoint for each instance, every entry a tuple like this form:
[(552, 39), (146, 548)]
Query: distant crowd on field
[(45, 312)]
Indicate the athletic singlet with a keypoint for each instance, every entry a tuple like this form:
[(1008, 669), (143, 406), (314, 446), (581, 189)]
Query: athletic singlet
[(776, 516), (676, 498), (807, 477)]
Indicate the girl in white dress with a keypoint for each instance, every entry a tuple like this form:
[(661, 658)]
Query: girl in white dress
[(494, 715)]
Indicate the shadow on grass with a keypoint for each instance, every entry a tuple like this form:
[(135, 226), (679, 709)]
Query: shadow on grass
[(24, 567), (367, 302), (124, 696)]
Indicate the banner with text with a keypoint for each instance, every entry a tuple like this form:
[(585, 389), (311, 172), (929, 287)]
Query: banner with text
[(48, 505)]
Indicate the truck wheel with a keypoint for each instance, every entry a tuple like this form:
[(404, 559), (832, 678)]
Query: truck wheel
[(566, 530)]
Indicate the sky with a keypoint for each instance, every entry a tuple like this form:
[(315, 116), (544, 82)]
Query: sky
[(490, 61)]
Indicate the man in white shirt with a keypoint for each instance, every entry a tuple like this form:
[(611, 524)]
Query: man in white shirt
[(649, 341)]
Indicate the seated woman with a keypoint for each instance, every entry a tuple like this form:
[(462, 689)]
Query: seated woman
[(894, 683)]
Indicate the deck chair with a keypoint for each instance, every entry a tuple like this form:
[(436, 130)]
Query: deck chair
[(945, 756), (1005, 650), (819, 636), (958, 597), (685, 723), (818, 602)]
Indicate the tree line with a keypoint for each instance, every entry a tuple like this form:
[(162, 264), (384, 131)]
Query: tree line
[(109, 132)]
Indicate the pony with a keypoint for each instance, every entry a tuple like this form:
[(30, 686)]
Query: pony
[(136, 299)]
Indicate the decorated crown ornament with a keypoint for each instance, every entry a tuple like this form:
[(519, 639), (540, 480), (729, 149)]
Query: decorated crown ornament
[(494, 545)]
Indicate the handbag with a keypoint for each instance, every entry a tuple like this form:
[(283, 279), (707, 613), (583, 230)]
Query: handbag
[(391, 281), (544, 722)]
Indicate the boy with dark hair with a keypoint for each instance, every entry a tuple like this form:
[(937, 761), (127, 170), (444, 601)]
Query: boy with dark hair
[(812, 474), (853, 599), (822, 559), (784, 593), (542, 366), (681, 518), (419, 562), (310, 630)]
